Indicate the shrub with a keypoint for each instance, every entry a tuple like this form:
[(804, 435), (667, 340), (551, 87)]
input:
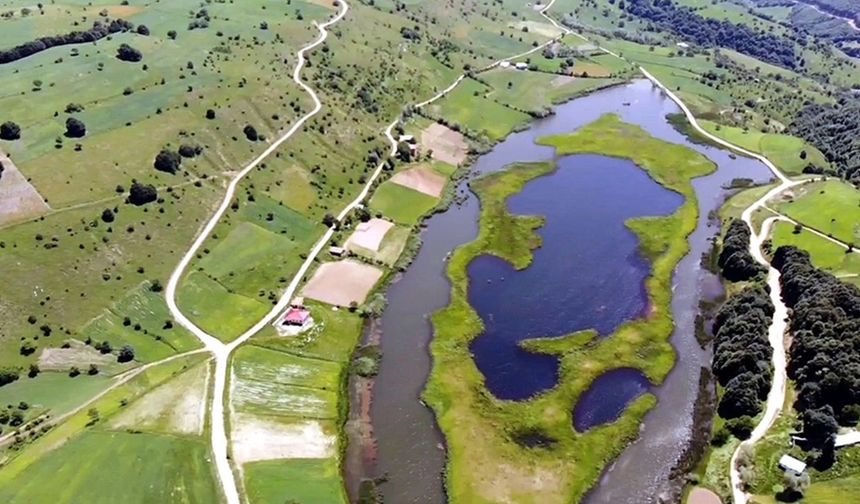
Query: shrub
[(251, 133), (167, 161), (10, 131), (128, 53), (75, 128)]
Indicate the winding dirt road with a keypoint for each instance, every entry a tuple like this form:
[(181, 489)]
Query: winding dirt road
[(221, 350)]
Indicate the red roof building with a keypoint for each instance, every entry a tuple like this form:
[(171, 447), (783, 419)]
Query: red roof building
[(296, 317)]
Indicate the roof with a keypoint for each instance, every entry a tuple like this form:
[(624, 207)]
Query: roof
[(407, 138), (790, 463), (848, 439), (296, 316), (522, 65)]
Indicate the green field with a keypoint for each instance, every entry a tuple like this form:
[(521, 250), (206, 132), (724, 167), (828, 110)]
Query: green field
[(402, 204), (468, 107), (110, 467), (831, 207), (825, 254), (536, 91), (274, 482), (790, 154)]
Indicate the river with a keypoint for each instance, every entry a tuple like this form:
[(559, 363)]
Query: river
[(409, 445)]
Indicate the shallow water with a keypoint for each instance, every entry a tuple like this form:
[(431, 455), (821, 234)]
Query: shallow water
[(409, 441), (587, 274)]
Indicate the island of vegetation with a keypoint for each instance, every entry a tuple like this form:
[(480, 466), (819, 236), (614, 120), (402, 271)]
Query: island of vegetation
[(487, 461)]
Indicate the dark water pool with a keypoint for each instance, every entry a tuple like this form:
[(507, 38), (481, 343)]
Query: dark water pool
[(607, 397), (588, 274)]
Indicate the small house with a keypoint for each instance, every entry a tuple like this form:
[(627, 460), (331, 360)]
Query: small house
[(522, 66), (407, 138), (789, 463), (297, 302), (337, 251), (683, 45), (297, 317), (505, 64)]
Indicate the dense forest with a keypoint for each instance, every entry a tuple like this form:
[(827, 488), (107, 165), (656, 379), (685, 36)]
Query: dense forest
[(742, 353), (735, 261), (712, 33), (835, 130), (825, 349), (97, 32)]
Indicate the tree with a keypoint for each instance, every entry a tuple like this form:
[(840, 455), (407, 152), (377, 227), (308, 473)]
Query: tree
[(190, 151), (33, 371), (251, 133), (8, 375), (75, 128), (141, 194), (819, 424), (93, 370), (167, 161), (329, 220), (126, 354), (171, 34), (210, 114), (143, 30), (795, 485), (107, 215), (10, 131), (127, 53)]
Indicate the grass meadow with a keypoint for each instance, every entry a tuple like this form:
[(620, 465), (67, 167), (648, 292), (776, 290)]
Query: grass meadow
[(831, 207)]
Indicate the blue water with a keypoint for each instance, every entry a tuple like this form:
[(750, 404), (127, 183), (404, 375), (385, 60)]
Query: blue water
[(607, 396), (588, 274)]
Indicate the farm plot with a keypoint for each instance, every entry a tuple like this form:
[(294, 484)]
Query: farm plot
[(468, 107), (423, 179), (389, 250), (176, 407), (369, 235), (404, 205), (285, 413), (342, 283), (447, 145), (275, 482), (119, 467)]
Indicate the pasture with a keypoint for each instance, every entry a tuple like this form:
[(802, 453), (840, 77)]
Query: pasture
[(831, 207)]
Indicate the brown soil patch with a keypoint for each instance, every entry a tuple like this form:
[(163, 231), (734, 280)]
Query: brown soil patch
[(423, 179), (369, 234), (256, 438), (699, 495), (343, 282), (78, 354), (122, 11), (447, 145), (19, 200)]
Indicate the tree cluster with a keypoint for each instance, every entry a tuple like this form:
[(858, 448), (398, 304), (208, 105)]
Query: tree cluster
[(10, 131), (735, 261), (168, 161), (742, 353), (835, 130), (98, 31), (141, 194), (711, 32), (824, 358)]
